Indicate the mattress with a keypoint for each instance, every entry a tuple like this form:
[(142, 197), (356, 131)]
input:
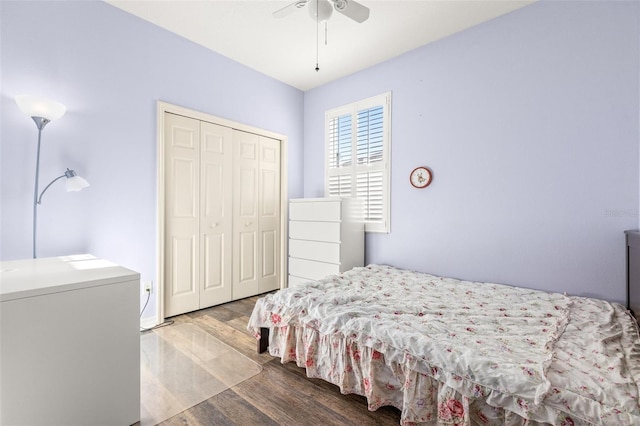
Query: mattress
[(448, 351)]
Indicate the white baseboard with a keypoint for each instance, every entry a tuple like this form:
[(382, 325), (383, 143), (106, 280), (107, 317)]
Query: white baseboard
[(148, 323)]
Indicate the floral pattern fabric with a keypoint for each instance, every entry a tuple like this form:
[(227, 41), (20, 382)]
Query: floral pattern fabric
[(454, 352)]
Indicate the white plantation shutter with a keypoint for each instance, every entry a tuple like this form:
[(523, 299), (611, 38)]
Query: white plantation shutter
[(340, 186), (340, 135), (339, 156), (357, 162), (370, 188)]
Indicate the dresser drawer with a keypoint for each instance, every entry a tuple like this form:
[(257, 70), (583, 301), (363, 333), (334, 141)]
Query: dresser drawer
[(328, 211), (310, 269), (296, 281), (315, 250), (315, 231)]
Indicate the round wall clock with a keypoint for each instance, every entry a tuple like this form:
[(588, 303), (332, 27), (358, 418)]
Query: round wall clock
[(420, 177)]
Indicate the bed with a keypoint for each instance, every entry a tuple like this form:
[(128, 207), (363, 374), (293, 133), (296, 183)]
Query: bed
[(445, 351)]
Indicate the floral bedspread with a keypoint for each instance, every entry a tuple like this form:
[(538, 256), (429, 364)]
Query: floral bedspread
[(456, 352)]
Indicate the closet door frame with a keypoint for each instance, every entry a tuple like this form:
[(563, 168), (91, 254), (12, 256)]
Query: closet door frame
[(164, 107)]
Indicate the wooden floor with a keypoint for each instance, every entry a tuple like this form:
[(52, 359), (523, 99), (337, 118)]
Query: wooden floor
[(280, 394)]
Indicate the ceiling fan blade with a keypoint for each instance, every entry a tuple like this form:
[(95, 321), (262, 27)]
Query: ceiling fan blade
[(352, 9), (288, 9)]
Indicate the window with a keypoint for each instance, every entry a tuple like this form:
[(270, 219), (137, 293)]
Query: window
[(358, 147)]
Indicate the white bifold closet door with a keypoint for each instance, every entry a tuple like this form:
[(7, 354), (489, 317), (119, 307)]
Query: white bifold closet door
[(222, 214), (256, 214)]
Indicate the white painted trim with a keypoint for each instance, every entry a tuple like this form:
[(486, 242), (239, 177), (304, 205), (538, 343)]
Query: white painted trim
[(164, 107), (147, 323), (160, 190)]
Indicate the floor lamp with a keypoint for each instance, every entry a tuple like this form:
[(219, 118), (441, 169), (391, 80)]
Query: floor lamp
[(42, 111)]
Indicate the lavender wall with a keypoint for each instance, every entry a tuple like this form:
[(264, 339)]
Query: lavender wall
[(530, 124), (110, 68)]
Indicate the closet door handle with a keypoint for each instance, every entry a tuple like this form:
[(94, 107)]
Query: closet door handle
[(247, 224), (214, 225)]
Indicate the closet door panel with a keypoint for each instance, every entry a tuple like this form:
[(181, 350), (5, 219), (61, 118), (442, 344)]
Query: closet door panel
[(269, 259), (213, 191), (269, 166), (246, 219), (183, 176), (212, 232), (182, 229), (248, 180), (213, 263), (216, 214), (183, 266), (247, 248)]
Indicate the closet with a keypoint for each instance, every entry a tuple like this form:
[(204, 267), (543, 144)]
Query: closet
[(221, 214)]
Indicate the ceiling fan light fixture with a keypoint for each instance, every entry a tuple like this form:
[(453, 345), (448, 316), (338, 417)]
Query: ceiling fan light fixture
[(320, 10)]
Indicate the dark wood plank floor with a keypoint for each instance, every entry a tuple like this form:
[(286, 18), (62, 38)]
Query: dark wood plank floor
[(280, 394)]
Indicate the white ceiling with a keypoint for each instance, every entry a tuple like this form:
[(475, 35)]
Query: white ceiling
[(285, 48)]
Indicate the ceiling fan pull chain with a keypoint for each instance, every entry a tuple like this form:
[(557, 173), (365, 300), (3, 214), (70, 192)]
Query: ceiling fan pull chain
[(325, 33), (317, 37)]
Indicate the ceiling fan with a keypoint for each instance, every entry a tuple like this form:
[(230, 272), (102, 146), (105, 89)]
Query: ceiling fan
[(320, 10)]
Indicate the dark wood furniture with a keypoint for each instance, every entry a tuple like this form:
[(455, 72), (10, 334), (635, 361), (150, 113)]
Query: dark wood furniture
[(633, 271), (263, 341)]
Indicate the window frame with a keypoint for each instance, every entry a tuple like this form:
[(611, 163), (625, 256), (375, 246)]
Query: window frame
[(352, 109)]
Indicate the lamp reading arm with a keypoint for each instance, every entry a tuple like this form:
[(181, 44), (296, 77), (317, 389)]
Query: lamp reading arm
[(47, 187), (68, 174)]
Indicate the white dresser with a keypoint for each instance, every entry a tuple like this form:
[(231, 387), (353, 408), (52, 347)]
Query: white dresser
[(326, 237), (69, 342)]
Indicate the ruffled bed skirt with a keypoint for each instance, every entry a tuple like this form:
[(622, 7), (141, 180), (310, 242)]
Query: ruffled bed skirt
[(422, 397)]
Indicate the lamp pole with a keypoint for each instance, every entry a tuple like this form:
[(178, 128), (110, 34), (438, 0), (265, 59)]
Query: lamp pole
[(42, 111), (40, 123)]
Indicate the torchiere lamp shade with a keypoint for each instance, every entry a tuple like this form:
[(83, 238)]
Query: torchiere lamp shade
[(34, 106)]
